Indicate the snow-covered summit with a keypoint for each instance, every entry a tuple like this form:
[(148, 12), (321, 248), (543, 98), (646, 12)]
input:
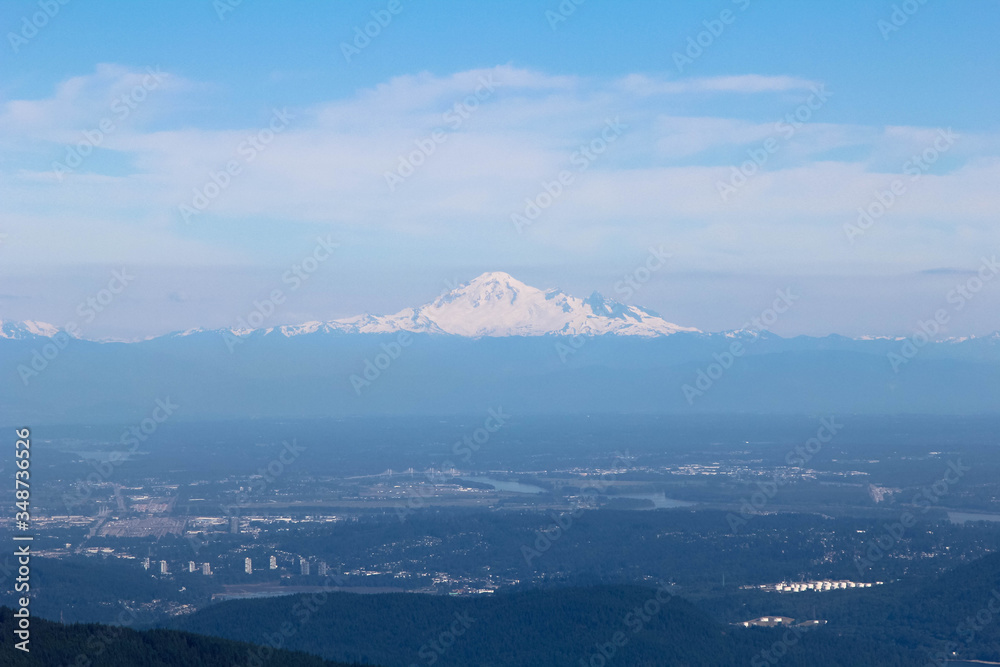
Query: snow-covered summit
[(496, 304)]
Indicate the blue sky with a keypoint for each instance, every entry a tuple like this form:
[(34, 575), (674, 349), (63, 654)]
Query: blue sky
[(873, 83)]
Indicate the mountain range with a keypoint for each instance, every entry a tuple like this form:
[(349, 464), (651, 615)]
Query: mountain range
[(492, 305), (489, 342)]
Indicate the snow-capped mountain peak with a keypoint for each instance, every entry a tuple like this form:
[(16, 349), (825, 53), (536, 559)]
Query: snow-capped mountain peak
[(496, 304)]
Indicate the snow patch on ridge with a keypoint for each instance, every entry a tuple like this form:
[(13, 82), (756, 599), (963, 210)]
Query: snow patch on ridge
[(26, 329)]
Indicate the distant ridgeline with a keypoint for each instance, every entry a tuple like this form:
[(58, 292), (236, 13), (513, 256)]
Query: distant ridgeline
[(542, 351)]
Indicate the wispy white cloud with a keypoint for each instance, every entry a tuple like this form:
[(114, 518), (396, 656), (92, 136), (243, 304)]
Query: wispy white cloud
[(328, 168), (82, 102), (640, 84)]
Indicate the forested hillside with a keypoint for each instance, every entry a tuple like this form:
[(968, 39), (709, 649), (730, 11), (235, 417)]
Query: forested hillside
[(80, 645), (628, 625)]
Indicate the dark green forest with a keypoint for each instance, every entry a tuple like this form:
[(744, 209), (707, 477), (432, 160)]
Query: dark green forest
[(85, 645)]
